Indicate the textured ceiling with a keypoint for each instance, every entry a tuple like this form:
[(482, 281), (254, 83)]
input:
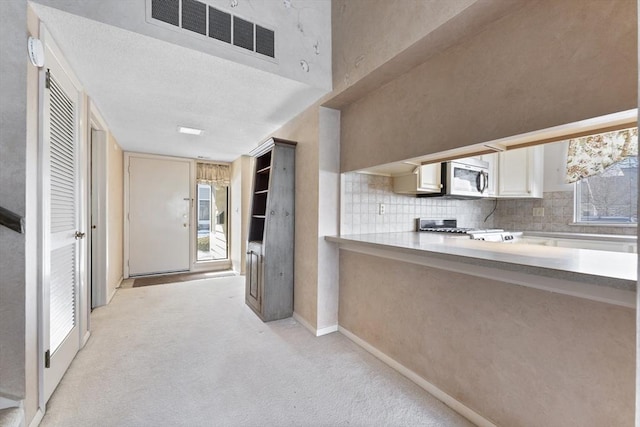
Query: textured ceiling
[(145, 88)]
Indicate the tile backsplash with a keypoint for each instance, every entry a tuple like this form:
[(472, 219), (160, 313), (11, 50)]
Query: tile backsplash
[(363, 193), (517, 215)]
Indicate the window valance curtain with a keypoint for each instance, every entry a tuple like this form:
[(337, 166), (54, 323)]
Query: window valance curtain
[(210, 173), (591, 155)]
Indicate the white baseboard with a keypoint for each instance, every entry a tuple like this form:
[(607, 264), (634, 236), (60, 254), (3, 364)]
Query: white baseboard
[(314, 331), (304, 323), (115, 289), (327, 330), (85, 339), (448, 400), (37, 418)]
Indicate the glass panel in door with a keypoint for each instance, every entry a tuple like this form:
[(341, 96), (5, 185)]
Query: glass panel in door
[(212, 242)]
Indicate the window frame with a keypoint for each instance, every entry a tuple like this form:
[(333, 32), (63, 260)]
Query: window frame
[(577, 217)]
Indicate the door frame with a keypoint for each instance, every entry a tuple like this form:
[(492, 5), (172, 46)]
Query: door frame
[(127, 158), (98, 201), (43, 236), (214, 264)]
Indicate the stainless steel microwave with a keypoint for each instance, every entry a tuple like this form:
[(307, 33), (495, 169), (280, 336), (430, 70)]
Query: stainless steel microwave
[(463, 179)]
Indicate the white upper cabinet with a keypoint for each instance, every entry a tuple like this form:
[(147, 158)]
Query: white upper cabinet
[(430, 178), (424, 179), (520, 173)]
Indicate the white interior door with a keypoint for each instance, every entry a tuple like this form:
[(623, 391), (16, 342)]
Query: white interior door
[(61, 235), (159, 215)]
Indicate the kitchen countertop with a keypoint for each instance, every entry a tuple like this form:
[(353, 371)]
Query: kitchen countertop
[(590, 267)]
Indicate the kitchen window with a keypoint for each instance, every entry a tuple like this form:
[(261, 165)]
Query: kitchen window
[(610, 197)]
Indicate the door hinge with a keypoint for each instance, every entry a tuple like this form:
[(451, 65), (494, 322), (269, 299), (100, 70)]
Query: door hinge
[(47, 79), (47, 359)]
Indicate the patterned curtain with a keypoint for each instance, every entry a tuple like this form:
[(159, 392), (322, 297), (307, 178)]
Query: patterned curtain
[(591, 155), (210, 173)]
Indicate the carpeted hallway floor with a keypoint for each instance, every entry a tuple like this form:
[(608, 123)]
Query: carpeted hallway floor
[(192, 354)]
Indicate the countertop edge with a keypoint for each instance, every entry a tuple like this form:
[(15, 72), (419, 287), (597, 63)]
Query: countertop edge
[(598, 288)]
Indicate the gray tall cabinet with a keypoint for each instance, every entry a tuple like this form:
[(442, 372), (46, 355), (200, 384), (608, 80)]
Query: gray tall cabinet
[(269, 272)]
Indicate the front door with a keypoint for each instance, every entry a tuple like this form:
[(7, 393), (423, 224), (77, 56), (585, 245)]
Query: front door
[(62, 243), (159, 215)]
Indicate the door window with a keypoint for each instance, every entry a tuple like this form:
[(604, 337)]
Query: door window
[(212, 239)]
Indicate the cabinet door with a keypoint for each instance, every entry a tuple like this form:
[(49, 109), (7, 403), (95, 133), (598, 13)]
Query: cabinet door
[(253, 290), (429, 178), (520, 172)]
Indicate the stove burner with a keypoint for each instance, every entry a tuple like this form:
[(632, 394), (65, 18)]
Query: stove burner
[(449, 226), (448, 230)]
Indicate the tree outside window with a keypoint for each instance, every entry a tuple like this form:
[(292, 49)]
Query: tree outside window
[(610, 197)]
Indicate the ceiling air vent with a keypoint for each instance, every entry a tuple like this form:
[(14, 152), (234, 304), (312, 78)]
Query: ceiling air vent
[(166, 11), (242, 33), (265, 41), (194, 16), (219, 25), (199, 19)]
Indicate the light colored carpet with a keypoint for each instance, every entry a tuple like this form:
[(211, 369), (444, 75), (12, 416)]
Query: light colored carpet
[(192, 354)]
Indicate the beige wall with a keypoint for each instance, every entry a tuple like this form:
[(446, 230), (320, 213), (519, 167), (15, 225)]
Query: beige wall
[(13, 190), (546, 64), (517, 356), (115, 215), (368, 33), (240, 195), (304, 130)]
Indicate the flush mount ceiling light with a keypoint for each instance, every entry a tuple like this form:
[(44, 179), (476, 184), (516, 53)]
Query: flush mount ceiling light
[(189, 131)]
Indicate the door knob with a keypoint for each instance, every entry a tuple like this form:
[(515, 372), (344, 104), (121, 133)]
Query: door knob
[(78, 235)]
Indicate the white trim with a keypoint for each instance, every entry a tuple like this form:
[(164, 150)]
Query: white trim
[(85, 339), (37, 418), (430, 388), (327, 330), (605, 224), (304, 323), (621, 297), (99, 207), (115, 289), (314, 331)]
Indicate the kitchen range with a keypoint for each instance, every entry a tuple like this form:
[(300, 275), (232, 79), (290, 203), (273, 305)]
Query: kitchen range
[(450, 226)]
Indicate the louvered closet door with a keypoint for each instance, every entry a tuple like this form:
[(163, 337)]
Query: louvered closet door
[(61, 237)]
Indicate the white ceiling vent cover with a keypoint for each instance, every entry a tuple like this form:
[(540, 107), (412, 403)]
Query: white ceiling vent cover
[(197, 19)]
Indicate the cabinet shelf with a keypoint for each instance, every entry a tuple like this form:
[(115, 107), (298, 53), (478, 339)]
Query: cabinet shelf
[(260, 216), (262, 192), (263, 170)]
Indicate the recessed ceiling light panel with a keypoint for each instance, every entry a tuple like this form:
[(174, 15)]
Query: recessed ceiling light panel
[(189, 131)]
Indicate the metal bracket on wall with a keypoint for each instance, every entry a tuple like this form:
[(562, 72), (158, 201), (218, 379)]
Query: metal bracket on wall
[(11, 220)]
